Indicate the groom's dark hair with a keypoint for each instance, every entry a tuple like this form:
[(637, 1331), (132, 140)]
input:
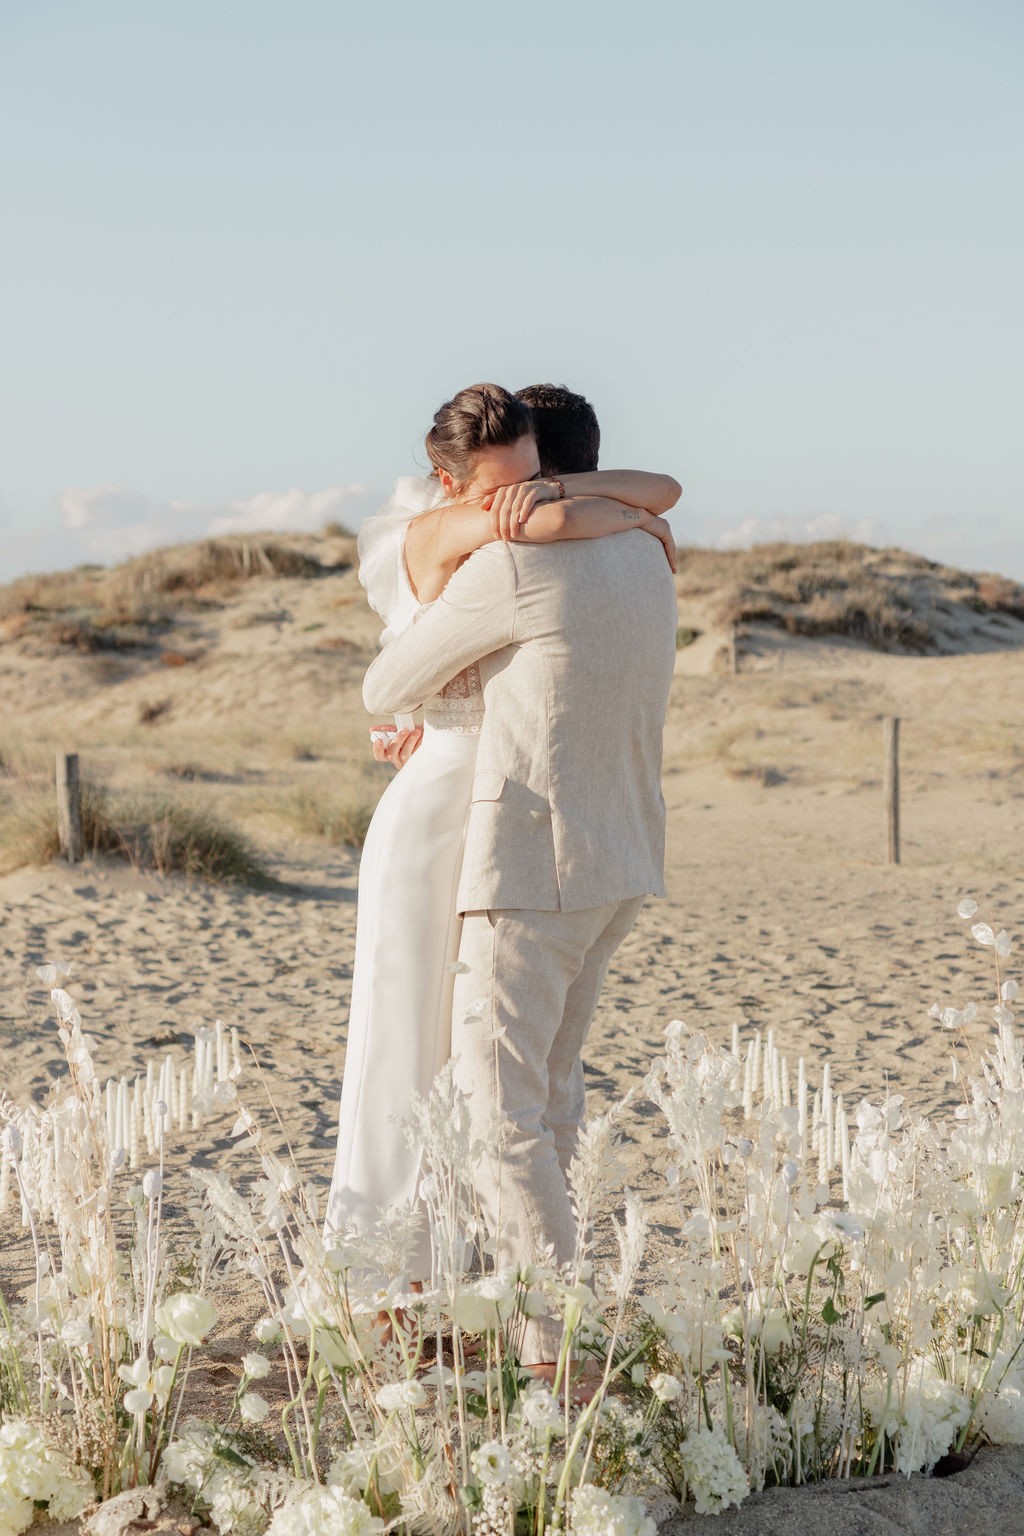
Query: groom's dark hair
[(566, 427)]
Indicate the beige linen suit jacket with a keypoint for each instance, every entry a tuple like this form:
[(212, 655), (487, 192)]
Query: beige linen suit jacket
[(576, 645)]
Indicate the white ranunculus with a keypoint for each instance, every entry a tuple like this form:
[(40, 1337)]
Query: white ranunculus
[(186, 1318), (255, 1366)]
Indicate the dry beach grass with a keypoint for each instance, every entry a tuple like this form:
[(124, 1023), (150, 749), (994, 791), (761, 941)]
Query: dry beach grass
[(231, 675)]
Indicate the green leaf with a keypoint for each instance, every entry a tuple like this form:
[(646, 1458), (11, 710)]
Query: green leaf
[(829, 1313), (873, 1301), (225, 1453)]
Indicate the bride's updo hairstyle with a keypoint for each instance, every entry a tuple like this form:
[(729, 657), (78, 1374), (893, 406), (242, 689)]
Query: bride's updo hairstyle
[(481, 416)]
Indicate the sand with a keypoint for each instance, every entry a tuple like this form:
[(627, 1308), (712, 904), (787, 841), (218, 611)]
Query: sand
[(781, 912)]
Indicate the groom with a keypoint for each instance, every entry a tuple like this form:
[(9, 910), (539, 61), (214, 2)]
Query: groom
[(576, 645)]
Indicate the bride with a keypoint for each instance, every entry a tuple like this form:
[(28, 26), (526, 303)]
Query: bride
[(484, 451)]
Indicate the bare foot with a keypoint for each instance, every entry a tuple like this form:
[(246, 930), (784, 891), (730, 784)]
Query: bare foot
[(404, 1320), (582, 1386)]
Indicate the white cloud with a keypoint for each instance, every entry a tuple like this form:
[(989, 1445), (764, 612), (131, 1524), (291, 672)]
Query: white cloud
[(110, 522), (105, 506), (799, 528), (295, 510)]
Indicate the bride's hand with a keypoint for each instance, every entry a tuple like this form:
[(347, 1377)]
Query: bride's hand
[(658, 527), (395, 747), (511, 505)]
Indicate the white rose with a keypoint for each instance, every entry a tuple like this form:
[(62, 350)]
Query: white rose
[(401, 1394), (479, 1310), (164, 1347), (186, 1318), (541, 1410), (331, 1347), (774, 1332), (253, 1408), (574, 1301), (492, 1464)]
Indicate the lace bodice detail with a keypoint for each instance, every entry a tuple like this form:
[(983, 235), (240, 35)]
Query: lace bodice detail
[(460, 704)]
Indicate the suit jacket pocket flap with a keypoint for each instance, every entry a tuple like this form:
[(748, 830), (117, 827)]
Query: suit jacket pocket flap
[(488, 784)]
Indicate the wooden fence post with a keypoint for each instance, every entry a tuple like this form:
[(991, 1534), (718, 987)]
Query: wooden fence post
[(69, 806), (892, 786)]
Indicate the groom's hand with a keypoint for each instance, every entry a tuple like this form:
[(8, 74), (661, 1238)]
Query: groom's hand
[(511, 505)]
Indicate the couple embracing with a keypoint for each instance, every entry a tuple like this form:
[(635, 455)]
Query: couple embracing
[(530, 613)]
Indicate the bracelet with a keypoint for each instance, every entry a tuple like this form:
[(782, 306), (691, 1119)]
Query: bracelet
[(561, 490)]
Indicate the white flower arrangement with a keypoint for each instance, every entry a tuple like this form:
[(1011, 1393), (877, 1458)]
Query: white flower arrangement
[(32, 1472), (323, 1511), (713, 1470), (821, 1244), (596, 1512)]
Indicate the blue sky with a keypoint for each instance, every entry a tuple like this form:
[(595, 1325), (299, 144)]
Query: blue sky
[(247, 249)]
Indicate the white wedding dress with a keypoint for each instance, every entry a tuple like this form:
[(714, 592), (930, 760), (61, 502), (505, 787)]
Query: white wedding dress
[(407, 928)]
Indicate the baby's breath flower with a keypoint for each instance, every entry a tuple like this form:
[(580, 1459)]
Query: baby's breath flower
[(595, 1512), (713, 1470)]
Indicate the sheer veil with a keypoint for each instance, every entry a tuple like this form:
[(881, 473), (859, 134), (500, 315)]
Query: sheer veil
[(380, 542)]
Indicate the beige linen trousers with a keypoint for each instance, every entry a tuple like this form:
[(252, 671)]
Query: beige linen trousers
[(575, 644)]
